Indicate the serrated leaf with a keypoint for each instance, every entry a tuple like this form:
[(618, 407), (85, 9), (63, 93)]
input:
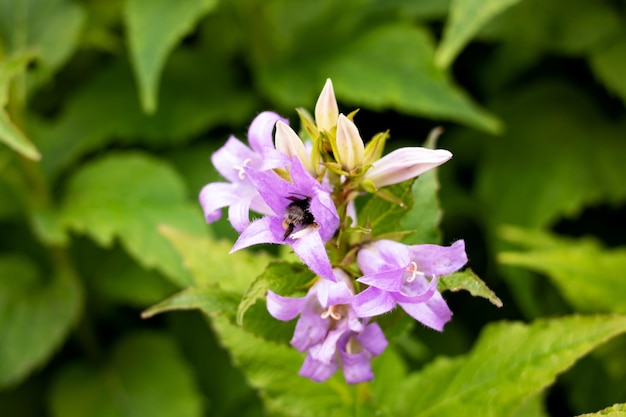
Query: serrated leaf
[(273, 369), (509, 362), (384, 216), (154, 27), (425, 215), (35, 316), (465, 19), (211, 300), (145, 376), (210, 263), (128, 196), (467, 280), (609, 64), (617, 410), (48, 29), (589, 276), (283, 278)]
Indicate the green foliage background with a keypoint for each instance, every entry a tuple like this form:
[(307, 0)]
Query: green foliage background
[(110, 110)]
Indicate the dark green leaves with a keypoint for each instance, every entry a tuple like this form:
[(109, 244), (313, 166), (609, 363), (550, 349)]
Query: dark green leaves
[(145, 375), (154, 29), (127, 196), (36, 314)]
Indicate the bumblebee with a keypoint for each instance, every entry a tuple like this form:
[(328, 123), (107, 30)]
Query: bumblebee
[(297, 214)]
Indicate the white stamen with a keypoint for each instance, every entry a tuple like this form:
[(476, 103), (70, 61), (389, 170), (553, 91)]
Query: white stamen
[(331, 312), (241, 172), (412, 269)]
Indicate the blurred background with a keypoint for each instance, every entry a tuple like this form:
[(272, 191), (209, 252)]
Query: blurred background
[(111, 110)]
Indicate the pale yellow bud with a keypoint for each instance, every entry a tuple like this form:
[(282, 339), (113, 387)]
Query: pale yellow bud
[(326, 109)]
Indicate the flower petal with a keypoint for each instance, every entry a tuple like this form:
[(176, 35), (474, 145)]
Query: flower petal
[(373, 339), (405, 163), (386, 280), (326, 109), (214, 196), (259, 231), (439, 260), (239, 214), (229, 160), (434, 313), (311, 250), (261, 129), (284, 308), (383, 255), (373, 302), (316, 370)]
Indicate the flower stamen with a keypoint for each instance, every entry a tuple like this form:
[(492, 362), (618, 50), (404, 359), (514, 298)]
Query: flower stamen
[(412, 269), (240, 169), (332, 312)]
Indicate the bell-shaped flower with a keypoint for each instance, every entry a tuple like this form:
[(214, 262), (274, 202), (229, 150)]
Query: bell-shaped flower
[(405, 163), (302, 216), (349, 148), (231, 161), (289, 143), (329, 331), (407, 275), (326, 109)]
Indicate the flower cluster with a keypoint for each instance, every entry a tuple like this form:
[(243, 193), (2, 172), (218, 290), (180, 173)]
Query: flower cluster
[(305, 191)]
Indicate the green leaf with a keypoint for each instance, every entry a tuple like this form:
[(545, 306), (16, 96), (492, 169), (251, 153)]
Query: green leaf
[(468, 281), (509, 362), (383, 215), (466, 18), (47, 29), (609, 64), (128, 196), (589, 276), (210, 263), (617, 410), (210, 300), (194, 98), (283, 278), (10, 134), (425, 215), (154, 28), (553, 130), (145, 376), (273, 369), (556, 25), (386, 67), (35, 316)]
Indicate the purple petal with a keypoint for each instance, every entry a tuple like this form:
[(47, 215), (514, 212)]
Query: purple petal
[(439, 260), (257, 232), (311, 250), (317, 371), (387, 280), (239, 214), (373, 302), (383, 255), (325, 351), (284, 308), (229, 159), (373, 339), (261, 129), (356, 367), (325, 214), (311, 328), (214, 196), (273, 189), (434, 313), (428, 291)]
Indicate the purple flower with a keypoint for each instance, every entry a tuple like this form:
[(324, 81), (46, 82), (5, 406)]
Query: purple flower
[(231, 161), (329, 331), (399, 274), (302, 216)]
